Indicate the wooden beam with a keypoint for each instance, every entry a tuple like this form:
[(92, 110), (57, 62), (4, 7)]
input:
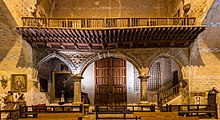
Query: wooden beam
[(62, 46), (104, 45), (48, 45), (131, 44), (76, 46), (172, 44), (90, 46)]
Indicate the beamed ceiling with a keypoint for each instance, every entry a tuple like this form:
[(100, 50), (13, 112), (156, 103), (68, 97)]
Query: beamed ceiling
[(110, 38)]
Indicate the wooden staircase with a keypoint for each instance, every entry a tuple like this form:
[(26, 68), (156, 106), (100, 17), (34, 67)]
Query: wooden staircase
[(172, 93)]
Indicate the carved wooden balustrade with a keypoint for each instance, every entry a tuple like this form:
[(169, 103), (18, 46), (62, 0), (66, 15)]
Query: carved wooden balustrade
[(105, 22)]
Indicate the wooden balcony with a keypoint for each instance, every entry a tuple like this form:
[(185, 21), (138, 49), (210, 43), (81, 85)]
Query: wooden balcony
[(109, 33), (105, 22)]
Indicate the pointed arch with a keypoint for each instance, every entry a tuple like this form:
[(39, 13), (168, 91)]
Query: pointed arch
[(51, 56), (168, 56)]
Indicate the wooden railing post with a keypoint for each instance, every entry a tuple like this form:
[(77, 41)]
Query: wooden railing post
[(131, 22), (66, 22)]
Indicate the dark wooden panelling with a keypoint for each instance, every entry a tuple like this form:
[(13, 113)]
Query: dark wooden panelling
[(110, 76)]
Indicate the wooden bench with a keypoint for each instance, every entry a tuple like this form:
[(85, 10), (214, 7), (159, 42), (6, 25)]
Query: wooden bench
[(11, 113), (123, 110), (195, 110), (57, 116), (34, 111), (169, 118), (65, 116), (154, 114), (27, 113)]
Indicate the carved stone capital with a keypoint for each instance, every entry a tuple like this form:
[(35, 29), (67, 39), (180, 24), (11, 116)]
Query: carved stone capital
[(144, 78), (77, 78)]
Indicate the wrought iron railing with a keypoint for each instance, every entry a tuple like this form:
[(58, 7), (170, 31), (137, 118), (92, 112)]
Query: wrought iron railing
[(104, 22)]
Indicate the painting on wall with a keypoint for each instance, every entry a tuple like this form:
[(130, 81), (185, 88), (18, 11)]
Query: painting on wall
[(19, 83), (63, 82)]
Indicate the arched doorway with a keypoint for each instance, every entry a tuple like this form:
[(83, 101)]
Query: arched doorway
[(131, 83), (165, 74), (110, 81), (54, 77)]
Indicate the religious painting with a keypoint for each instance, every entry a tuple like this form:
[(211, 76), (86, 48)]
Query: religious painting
[(19, 83), (63, 83)]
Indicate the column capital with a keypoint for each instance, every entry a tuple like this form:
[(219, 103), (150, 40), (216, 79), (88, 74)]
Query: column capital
[(77, 76), (143, 77)]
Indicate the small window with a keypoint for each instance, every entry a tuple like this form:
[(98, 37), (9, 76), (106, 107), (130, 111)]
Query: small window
[(155, 75)]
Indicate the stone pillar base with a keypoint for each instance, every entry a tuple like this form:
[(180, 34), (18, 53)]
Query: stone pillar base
[(86, 110)]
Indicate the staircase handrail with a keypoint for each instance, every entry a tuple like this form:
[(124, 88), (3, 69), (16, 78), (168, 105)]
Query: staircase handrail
[(171, 93)]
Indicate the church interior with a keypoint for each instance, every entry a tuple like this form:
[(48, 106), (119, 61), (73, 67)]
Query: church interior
[(84, 58)]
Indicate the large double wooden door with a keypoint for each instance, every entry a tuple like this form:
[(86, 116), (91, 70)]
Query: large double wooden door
[(110, 82)]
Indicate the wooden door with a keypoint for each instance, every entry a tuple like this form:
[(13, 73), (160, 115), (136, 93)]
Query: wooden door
[(175, 78), (110, 82)]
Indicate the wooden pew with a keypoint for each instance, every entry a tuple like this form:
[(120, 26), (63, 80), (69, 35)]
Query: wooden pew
[(153, 114), (57, 116), (26, 111), (169, 118), (194, 110), (103, 112), (69, 118)]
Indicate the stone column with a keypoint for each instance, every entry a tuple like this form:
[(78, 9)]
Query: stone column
[(143, 88), (77, 88)]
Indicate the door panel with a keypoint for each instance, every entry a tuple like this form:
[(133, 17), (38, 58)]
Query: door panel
[(110, 76), (102, 94)]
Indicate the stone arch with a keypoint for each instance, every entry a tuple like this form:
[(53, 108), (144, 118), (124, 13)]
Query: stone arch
[(174, 58), (107, 55), (54, 55), (166, 55)]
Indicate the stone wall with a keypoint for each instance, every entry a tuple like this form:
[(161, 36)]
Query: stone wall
[(15, 54), (206, 50), (110, 8)]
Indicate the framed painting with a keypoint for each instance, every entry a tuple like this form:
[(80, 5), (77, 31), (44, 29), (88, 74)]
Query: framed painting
[(62, 82), (19, 83)]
